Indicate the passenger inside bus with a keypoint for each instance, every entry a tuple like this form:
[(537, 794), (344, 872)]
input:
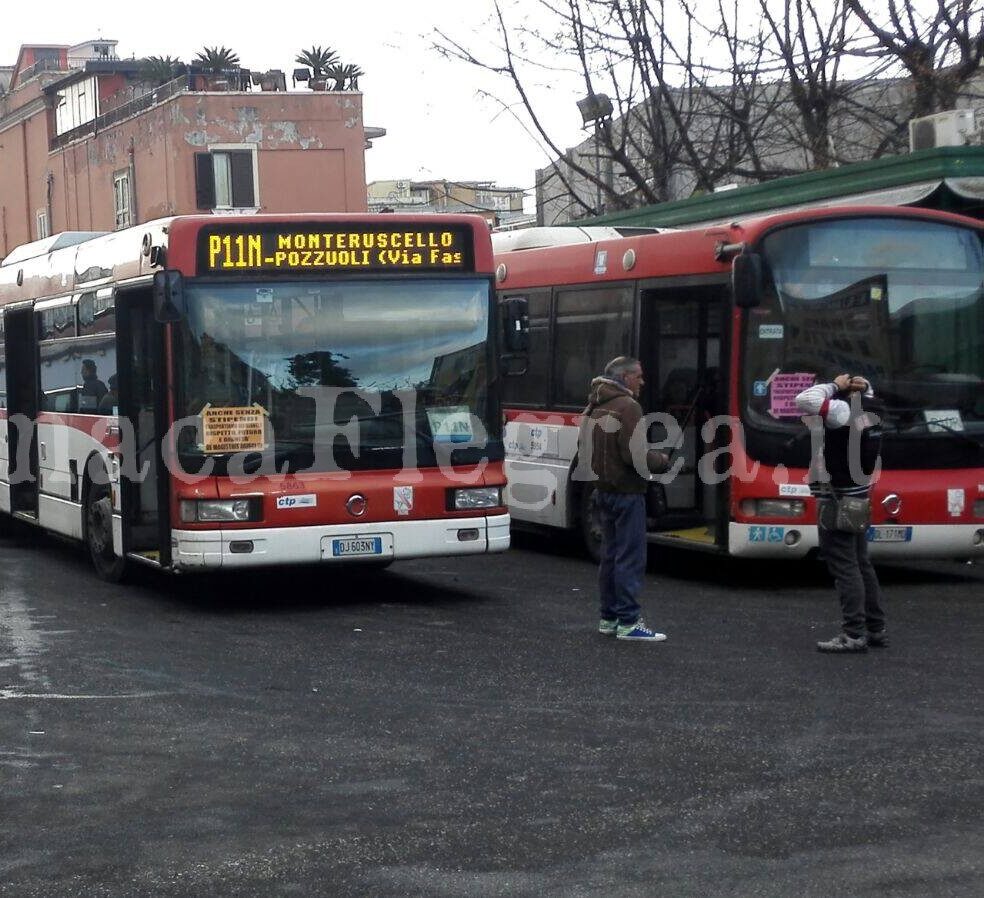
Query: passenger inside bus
[(109, 403), (92, 388)]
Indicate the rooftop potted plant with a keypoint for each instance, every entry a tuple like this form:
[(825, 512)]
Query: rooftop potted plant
[(346, 77), (318, 60), (158, 70), (217, 63)]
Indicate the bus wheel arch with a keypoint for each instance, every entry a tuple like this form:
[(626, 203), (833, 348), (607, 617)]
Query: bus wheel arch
[(97, 520)]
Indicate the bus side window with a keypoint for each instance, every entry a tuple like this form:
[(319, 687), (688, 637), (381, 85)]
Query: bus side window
[(593, 325), (59, 376), (531, 388)]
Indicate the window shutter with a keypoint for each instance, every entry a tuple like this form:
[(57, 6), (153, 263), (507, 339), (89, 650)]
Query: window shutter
[(204, 181), (242, 179)]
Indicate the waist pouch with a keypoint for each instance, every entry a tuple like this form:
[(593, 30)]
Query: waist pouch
[(849, 514)]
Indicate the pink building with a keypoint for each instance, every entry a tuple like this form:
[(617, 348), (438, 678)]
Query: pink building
[(89, 143)]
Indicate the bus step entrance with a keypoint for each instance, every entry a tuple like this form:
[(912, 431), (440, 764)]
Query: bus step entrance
[(702, 536), (150, 556)]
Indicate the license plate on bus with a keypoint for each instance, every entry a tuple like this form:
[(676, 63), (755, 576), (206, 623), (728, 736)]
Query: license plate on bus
[(356, 546), (888, 534)]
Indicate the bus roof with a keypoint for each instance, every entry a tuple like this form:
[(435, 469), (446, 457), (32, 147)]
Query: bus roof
[(673, 252), (76, 260), (48, 245), (535, 238)]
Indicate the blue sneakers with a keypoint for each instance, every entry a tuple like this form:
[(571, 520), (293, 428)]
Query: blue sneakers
[(607, 627), (638, 632)]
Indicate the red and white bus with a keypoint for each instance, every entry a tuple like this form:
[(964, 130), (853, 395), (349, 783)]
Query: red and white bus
[(207, 392), (730, 323)]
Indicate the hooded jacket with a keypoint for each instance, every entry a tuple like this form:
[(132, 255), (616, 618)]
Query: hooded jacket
[(612, 417), (842, 414)]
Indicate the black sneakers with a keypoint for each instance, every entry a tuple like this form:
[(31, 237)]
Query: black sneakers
[(878, 640)]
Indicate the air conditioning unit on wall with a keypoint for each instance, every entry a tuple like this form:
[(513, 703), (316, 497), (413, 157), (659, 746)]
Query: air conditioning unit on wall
[(953, 128)]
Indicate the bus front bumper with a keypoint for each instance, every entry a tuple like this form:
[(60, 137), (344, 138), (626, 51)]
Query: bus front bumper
[(915, 542), (268, 547)]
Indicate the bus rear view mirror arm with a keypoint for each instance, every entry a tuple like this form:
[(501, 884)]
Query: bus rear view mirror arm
[(746, 280), (169, 302)]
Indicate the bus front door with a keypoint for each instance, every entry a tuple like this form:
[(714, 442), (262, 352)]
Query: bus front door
[(144, 477), (22, 411), (680, 348)]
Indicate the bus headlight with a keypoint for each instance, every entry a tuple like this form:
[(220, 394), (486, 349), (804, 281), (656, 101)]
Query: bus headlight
[(195, 511), (476, 497), (773, 508)]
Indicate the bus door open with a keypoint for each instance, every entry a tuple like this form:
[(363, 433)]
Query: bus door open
[(680, 348), (144, 478), (22, 410)]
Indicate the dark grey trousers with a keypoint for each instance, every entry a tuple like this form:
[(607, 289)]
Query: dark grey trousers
[(847, 560)]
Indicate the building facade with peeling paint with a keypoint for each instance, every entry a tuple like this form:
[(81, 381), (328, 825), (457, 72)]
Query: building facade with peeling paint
[(88, 144)]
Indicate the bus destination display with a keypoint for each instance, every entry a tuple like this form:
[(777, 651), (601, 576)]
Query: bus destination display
[(308, 249)]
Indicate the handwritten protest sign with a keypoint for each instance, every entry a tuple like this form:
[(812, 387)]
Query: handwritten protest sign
[(782, 393), (236, 429)]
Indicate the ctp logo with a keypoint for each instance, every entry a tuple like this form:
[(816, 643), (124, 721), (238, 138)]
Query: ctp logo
[(308, 500)]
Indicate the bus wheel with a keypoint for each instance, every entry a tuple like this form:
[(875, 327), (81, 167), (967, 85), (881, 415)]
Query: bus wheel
[(590, 521), (99, 533), (8, 526)]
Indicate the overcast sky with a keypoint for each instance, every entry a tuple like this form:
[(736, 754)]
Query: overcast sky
[(438, 125)]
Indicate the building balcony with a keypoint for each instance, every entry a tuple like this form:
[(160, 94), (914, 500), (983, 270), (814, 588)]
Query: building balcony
[(233, 80)]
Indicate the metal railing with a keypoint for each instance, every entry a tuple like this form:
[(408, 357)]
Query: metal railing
[(56, 65), (42, 65), (126, 110)]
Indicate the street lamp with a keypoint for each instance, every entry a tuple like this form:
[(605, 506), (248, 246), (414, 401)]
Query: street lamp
[(596, 110)]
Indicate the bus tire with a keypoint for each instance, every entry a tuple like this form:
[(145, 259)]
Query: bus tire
[(590, 523), (8, 526), (98, 531)]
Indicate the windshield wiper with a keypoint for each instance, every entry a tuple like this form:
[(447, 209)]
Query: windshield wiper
[(959, 434)]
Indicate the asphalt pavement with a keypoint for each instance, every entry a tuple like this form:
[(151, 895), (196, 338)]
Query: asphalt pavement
[(456, 727)]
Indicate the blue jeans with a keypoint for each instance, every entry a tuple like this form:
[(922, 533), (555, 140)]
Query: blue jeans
[(623, 554)]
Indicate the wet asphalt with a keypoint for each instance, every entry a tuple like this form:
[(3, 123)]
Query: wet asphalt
[(455, 727)]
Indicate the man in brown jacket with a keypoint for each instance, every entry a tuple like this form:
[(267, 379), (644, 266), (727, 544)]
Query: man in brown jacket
[(612, 423)]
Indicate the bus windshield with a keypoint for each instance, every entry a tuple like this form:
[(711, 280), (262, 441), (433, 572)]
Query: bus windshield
[(898, 301), (406, 359)]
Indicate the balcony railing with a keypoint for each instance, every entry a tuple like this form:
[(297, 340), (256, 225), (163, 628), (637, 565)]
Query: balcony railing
[(125, 111), (56, 65), (42, 65), (194, 80)]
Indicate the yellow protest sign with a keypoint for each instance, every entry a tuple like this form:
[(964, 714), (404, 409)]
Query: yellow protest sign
[(235, 429)]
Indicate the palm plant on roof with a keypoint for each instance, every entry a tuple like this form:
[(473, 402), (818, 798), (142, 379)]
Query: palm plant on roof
[(160, 69), (317, 59), (217, 59), (346, 77)]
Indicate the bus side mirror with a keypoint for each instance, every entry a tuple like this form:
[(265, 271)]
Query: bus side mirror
[(515, 336), (169, 301), (746, 280)]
